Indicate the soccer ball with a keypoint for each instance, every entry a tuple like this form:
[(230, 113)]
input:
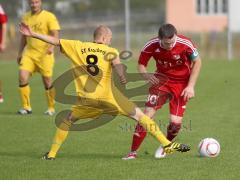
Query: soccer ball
[(209, 147), (160, 153)]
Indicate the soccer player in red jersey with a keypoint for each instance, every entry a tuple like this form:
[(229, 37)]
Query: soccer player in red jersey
[(3, 32), (177, 68)]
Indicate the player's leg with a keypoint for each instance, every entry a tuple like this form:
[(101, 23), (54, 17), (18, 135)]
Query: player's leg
[(172, 131), (64, 126), (174, 126), (129, 109), (156, 99), (25, 91), (26, 68), (46, 70), (1, 93), (50, 95), (177, 108), (155, 131), (150, 126), (139, 135), (60, 136)]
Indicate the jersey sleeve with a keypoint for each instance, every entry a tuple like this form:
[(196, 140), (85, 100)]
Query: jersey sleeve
[(69, 48), (145, 55), (53, 22), (3, 18), (112, 54)]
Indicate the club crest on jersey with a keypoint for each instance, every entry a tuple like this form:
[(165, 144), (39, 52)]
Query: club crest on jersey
[(176, 57)]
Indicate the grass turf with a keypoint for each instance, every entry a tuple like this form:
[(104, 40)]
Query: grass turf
[(96, 154)]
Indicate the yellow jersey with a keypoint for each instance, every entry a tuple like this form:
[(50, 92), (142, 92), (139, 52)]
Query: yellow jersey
[(42, 23), (92, 67)]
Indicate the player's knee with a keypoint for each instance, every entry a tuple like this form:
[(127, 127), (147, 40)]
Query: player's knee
[(176, 119), (23, 77), (71, 118), (136, 114), (23, 81), (48, 84)]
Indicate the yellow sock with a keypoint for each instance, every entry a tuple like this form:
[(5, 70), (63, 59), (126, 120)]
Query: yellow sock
[(25, 96), (50, 94), (153, 128), (60, 136)]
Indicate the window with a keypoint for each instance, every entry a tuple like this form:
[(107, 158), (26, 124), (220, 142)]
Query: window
[(206, 6), (215, 6), (198, 6), (224, 6), (210, 7)]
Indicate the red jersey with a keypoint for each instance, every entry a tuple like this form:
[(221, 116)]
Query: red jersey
[(174, 63), (3, 19)]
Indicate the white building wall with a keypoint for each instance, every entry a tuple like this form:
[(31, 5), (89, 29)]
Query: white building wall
[(234, 15)]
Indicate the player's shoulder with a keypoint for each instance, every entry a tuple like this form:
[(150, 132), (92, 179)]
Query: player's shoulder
[(112, 49), (48, 13), (151, 44), (71, 41), (101, 46), (182, 38), (27, 14), (153, 41), (184, 41)]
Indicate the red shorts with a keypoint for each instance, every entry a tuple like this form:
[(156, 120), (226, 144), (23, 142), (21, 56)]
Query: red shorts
[(168, 92)]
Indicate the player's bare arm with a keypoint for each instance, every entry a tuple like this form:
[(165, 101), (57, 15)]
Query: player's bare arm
[(4, 34), (26, 31), (189, 92), (148, 77), (53, 33), (119, 68)]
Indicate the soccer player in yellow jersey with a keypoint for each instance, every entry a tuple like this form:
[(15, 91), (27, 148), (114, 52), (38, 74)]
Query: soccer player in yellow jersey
[(37, 56), (97, 93)]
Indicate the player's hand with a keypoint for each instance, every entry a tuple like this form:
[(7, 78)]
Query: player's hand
[(152, 79), (123, 80), (19, 59), (2, 47), (25, 29), (50, 50), (188, 93)]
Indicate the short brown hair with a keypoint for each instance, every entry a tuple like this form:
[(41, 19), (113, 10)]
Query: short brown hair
[(167, 31)]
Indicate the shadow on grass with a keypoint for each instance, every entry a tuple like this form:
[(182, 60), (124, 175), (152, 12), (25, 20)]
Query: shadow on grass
[(17, 154), (89, 156), (37, 155), (93, 156)]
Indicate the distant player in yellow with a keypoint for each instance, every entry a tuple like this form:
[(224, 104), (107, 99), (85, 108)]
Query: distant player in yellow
[(37, 56), (92, 62)]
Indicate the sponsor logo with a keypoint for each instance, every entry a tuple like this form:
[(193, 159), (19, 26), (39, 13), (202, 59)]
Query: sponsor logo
[(176, 56)]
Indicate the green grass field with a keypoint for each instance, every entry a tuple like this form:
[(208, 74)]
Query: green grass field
[(96, 154)]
